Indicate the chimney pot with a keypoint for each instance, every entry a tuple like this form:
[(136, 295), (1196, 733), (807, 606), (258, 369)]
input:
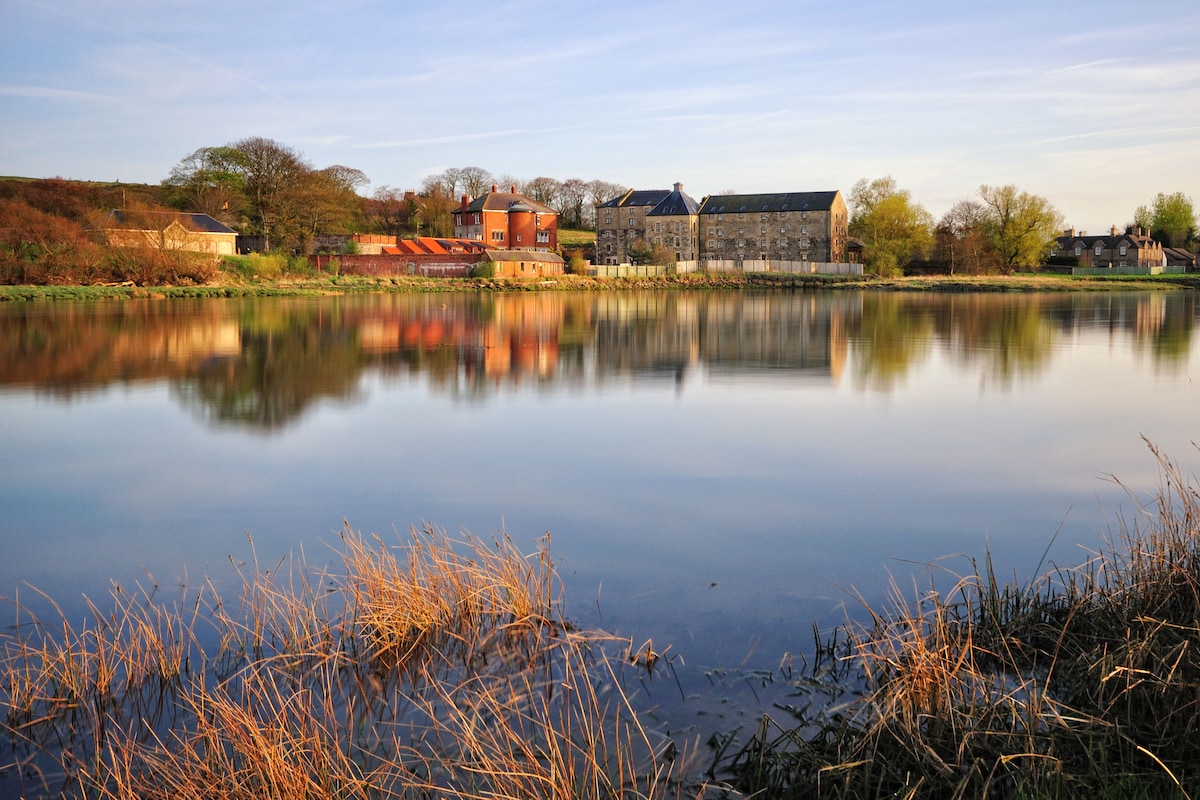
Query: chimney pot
[(495, 188), (513, 189)]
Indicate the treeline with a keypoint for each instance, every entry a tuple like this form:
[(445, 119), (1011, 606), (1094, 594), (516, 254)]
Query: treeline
[(1001, 230)]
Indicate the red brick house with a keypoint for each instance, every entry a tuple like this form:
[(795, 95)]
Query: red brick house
[(507, 220)]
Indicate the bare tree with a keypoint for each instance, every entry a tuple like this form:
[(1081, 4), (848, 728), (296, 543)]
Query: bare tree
[(571, 196), (542, 189), (272, 172), (475, 180)]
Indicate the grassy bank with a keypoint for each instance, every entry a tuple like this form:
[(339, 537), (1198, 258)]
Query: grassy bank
[(233, 285)]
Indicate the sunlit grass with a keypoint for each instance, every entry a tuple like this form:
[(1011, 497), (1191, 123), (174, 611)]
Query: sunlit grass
[(431, 667)]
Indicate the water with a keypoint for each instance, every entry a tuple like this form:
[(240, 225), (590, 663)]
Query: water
[(717, 471)]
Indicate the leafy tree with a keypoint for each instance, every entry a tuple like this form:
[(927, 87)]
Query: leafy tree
[(211, 180), (962, 239), (1022, 226), (436, 206), (325, 201), (273, 175), (893, 229), (1171, 219)]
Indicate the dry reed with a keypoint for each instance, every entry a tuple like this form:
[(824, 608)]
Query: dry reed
[(1084, 681), (437, 667)]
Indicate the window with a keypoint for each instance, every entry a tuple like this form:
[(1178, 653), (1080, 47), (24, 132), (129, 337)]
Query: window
[(677, 244), (741, 242), (720, 243), (476, 219), (1099, 249), (607, 220), (658, 227), (741, 215), (543, 236), (1124, 250), (762, 244), (720, 231), (782, 230), (803, 215), (741, 231), (518, 237), (763, 217), (783, 242), (803, 230), (677, 227), (804, 242), (710, 245), (762, 231), (497, 236), (710, 230), (1078, 250)]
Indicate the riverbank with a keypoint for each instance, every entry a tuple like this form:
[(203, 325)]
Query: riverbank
[(230, 286)]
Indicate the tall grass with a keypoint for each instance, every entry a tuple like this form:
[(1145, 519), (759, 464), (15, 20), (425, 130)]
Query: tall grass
[(1085, 681), (433, 667)]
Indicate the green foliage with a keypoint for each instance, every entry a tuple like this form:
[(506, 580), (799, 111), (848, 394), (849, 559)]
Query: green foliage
[(1171, 219), (577, 266), (484, 269), (1022, 226), (893, 228)]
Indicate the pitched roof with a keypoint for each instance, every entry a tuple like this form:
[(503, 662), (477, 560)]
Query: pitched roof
[(433, 245), (137, 220), (676, 204), (780, 201), (637, 197), (503, 201)]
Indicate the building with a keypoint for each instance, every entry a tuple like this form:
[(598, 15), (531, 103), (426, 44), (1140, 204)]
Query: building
[(622, 223), (1134, 251), (786, 227), (170, 230), (508, 221), (525, 263)]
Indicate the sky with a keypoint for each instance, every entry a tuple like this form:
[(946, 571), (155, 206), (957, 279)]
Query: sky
[(1094, 105)]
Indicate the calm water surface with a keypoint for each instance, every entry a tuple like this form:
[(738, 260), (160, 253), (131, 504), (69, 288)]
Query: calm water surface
[(716, 471)]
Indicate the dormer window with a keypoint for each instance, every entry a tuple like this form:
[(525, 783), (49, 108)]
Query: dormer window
[(1099, 249), (1124, 249)]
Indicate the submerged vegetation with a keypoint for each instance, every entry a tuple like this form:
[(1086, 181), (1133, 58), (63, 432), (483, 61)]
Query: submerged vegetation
[(444, 668)]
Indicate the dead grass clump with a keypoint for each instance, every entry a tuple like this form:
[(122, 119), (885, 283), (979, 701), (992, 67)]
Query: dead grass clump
[(1082, 681), (435, 667)]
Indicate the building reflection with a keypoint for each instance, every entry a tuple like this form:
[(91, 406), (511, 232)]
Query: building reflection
[(263, 362)]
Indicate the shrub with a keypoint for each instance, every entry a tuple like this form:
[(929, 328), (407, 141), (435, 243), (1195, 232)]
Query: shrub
[(484, 269)]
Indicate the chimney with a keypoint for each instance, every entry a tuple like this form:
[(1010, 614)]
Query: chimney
[(1114, 230), (495, 188), (513, 189), (466, 201), (678, 186), (1070, 231)]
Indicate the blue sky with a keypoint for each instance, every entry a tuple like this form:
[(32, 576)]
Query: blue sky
[(1093, 105)]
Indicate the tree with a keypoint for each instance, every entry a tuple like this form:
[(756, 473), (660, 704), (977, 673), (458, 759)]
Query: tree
[(326, 201), (273, 173), (894, 230), (1022, 226), (211, 180), (475, 181), (542, 189), (1171, 219), (571, 195), (435, 209), (388, 211), (962, 239)]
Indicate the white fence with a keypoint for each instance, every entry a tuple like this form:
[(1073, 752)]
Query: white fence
[(653, 270)]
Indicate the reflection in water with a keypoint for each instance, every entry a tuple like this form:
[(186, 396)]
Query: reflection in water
[(262, 362)]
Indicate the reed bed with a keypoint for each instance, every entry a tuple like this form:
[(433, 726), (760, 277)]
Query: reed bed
[(1082, 682), (428, 668)]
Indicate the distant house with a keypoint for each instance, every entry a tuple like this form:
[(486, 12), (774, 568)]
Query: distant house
[(525, 263), (786, 226), (1133, 252), (1180, 258), (507, 220), (170, 230)]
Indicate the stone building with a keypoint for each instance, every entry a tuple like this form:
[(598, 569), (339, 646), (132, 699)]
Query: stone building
[(647, 217), (1115, 249), (508, 221), (169, 230), (787, 226)]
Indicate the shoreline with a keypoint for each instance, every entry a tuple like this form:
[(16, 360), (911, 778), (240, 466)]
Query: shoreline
[(337, 285)]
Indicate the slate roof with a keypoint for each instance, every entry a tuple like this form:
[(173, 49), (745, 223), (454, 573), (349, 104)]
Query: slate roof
[(758, 203), (676, 204), (637, 197), (503, 201), (201, 223)]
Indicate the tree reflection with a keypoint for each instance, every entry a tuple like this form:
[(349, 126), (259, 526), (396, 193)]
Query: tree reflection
[(265, 363)]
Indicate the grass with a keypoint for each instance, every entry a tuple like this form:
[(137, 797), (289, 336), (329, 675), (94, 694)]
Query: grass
[(438, 667), (1083, 682), (434, 667)]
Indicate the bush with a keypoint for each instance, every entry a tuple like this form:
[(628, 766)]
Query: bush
[(484, 269)]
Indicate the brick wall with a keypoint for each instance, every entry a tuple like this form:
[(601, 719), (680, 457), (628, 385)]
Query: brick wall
[(458, 265)]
